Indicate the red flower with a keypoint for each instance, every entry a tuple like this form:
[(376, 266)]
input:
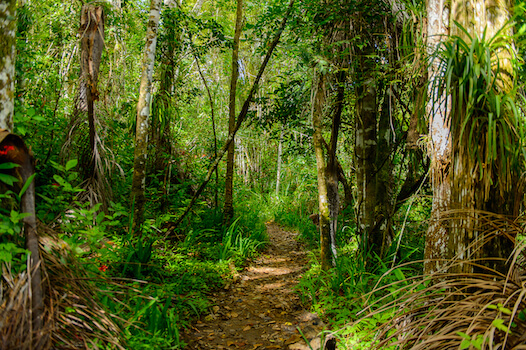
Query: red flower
[(103, 268), (55, 185), (6, 149)]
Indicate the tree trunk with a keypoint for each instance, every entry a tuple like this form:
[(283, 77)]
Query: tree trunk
[(163, 115), (280, 152), (228, 211), (213, 119), (143, 114), (92, 44), (383, 229), (365, 150), (332, 174), (323, 202), (439, 146), (7, 63)]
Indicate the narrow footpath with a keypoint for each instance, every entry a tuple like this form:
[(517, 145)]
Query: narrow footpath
[(261, 310)]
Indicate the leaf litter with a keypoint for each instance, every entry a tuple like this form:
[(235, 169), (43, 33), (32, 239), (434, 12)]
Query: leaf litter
[(261, 310)]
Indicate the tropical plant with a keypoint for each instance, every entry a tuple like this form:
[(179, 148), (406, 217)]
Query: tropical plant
[(487, 134)]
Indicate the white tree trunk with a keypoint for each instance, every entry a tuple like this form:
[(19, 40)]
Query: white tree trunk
[(439, 142), (7, 62), (280, 152)]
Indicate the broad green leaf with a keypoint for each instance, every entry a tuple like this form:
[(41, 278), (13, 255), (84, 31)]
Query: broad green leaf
[(71, 164), (8, 165), (8, 179)]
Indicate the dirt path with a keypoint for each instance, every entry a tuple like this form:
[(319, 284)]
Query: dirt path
[(262, 310)]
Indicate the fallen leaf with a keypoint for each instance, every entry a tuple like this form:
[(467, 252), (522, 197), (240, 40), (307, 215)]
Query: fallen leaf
[(246, 328), (293, 339)]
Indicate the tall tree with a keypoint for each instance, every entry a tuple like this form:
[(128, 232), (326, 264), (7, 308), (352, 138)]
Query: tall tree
[(228, 210), (7, 62), (324, 222), (439, 147), (365, 126), (143, 114)]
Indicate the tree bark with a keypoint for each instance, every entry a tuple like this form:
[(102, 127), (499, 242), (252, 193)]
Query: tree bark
[(383, 229), (365, 150), (228, 210), (7, 63), (324, 223), (92, 44), (143, 114), (333, 165), (439, 147), (213, 119), (280, 153)]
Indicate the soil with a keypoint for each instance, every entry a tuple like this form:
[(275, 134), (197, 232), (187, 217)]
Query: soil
[(261, 309)]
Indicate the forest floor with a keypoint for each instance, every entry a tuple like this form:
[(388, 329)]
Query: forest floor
[(261, 309)]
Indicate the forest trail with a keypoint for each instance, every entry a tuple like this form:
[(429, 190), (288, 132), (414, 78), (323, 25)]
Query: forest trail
[(261, 310)]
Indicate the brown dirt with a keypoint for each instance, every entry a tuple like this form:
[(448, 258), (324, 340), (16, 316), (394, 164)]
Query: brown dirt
[(261, 310)]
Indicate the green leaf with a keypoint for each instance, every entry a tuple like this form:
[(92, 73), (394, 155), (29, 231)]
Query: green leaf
[(466, 343), (8, 165), (21, 130), (8, 179), (71, 164), (499, 324), (399, 275), (26, 185), (59, 179), (5, 256)]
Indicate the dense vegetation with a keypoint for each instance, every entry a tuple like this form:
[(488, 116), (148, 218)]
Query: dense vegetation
[(336, 137)]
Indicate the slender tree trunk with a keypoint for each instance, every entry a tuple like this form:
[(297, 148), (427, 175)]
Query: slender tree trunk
[(7, 62), (332, 164), (318, 101), (347, 189), (161, 122), (212, 116), (383, 221), (439, 146), (365, 150), (228, 211), (30, 227), (143, 114), (280, 152), (92, 44)]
